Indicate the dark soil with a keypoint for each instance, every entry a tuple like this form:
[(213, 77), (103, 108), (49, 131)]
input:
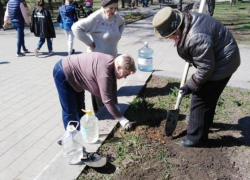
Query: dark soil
[(226, 156)]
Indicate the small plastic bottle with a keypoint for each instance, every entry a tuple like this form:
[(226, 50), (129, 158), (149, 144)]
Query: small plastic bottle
[(72, 149), (89, 127), (145, 58)]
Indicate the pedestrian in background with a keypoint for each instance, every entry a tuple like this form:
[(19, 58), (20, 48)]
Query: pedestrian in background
[(95, 72), (16, 12), (67, 18), (211, 48), (104, 27), (42, 26), (1, 15)]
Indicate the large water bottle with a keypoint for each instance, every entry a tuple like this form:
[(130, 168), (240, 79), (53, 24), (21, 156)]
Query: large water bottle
[(145, 58), (89, 127), (72, 149)]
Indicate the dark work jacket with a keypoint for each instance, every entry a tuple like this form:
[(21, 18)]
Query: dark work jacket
[(41, 24), (15, 12), (210, 47)]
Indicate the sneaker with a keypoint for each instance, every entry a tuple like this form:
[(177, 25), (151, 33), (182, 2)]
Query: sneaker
[(36, 52), (26, 51), (51, 52), (20, 55), (93, 159)]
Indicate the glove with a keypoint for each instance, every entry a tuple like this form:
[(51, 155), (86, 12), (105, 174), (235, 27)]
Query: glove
[(125, 123), (185, 90)]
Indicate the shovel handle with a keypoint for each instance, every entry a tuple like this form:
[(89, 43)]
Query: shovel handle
[(183, 80)]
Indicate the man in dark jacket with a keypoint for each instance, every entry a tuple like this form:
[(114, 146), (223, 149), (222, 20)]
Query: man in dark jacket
[(211, 48)]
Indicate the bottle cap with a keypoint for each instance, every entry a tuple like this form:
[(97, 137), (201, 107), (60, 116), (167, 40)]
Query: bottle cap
[(87, 111)]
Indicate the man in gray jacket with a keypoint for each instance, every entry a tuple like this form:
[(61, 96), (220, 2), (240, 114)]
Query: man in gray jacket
[(210, 47)]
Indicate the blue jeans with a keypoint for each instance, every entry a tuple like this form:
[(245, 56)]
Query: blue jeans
[(41, 42), (20, 36), (71, 101)]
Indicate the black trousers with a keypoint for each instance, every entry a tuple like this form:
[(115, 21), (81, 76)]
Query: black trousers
[(203, 104), (96, 103)]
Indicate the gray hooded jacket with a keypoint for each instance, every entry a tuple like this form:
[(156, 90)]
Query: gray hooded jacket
[(210, 47)]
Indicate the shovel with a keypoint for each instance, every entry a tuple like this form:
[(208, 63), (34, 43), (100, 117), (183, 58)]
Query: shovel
[(172, 116)]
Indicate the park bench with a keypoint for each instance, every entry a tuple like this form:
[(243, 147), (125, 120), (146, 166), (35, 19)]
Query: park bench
[(53, 8), (169, 3)]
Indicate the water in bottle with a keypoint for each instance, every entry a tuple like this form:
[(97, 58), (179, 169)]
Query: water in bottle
[(89, 127), (72, 149), (145, 58)]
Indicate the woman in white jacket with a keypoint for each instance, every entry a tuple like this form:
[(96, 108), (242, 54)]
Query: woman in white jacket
[(101, 32)]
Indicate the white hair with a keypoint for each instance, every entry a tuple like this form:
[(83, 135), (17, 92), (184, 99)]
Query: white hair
[(126, 62)]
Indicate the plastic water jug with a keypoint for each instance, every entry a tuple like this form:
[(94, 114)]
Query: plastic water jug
[(89, 127), (72, 149), (145, 58)]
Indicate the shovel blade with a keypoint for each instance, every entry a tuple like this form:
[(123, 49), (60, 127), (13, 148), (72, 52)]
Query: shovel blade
[(171, 123)]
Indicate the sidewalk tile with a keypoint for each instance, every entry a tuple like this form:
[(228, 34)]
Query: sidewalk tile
[(5, 146), (47, 156), (20, 164), (8, 174), (4, 124), (25, 176), (13, 117), (55, 146), (30, 140), (6, 159), (32, 153), (40, 132), (15, 137), (43, 143), (35, 167), (17, 149), (54, 134)]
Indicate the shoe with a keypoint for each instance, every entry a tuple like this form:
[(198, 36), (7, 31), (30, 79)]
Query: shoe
[(20, 55), (73, 51), (36, 52), (187, 143), (59, 142), (51, 52), (26, 51), (93, 159)]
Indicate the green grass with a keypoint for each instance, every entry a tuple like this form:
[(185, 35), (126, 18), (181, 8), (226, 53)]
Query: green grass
[(236, 15), (236, 18), (148, 109)]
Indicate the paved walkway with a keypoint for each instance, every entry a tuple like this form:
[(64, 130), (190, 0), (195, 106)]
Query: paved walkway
[(30, 112)]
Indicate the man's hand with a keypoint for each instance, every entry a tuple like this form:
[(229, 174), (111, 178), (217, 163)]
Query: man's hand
[(92, 46), (185, 90), (127, 126)]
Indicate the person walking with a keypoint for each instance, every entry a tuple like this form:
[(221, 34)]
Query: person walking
[(68, 16), (95, 72), (1, 15), (210, 47), (42, 26), (16, 12), (104, 27)]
